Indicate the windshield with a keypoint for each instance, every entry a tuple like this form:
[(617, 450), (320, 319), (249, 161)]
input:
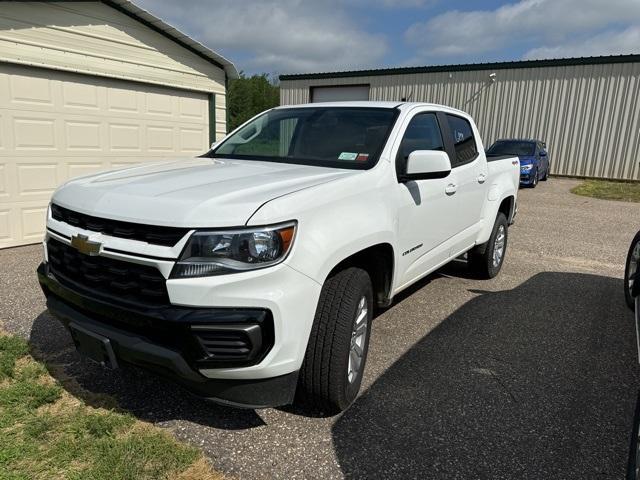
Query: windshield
[(512, 147), (342, 137)]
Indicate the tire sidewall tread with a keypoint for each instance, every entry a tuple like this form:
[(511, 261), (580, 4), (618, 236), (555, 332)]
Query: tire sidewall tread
[(627, 295), (481, 257), (323, 377)]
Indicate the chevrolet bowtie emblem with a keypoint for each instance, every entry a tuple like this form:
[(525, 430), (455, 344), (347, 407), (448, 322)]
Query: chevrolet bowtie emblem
[(84, 245)]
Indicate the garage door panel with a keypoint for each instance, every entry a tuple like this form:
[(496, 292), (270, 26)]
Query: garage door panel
[(82, 135), (124, 137), (34, 132), (57, 126), (33, 219), (191, 140), (29, 89), (78, 96), (37, 178), (160, 104), (6, 234), (79, 169), (122, 100), (192, 108), (122, 163), (3, 181), (160, 139)]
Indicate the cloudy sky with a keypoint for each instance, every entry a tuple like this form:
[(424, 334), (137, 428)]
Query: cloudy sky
[(294, 36)]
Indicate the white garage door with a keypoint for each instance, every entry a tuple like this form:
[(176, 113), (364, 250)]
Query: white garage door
[(55, 126), (340, 94)]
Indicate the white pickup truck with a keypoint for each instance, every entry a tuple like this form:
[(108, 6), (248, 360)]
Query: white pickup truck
[(250, 274)]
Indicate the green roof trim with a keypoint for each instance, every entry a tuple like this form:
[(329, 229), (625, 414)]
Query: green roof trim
[(555, 62)]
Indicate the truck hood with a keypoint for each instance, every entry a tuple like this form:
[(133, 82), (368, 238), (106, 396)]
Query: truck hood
[(201, 192)]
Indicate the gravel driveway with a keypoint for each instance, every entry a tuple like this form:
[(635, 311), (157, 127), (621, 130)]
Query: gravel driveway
[(530, 375)]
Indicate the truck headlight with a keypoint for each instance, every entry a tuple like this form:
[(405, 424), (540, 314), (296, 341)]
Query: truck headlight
[(210, 253)]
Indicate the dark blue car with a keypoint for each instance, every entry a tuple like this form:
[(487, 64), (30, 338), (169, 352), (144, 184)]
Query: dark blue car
[(534, 159)]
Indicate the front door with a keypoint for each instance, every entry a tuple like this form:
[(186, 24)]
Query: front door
[(427, 208)]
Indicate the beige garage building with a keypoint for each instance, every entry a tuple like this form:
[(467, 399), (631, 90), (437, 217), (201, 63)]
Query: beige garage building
[(90, 86), (585, 109)]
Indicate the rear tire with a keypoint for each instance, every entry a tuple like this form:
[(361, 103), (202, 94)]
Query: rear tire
[(486, 260), (631, 267), (332, 370)]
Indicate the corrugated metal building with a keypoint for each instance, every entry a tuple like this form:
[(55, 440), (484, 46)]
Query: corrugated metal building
[(94, 85), (587, 110)]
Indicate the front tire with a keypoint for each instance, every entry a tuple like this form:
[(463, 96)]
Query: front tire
[(486, 260), (546, 174), (633, 463), (534, 182), (336, 354), (631, 267)]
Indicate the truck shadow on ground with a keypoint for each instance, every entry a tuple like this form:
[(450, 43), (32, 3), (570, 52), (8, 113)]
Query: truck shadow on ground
[(145, 395), (534, 382)]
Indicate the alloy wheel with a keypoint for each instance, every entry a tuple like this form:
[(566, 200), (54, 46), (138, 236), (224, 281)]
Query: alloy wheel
[(498, 246), (358, 339)]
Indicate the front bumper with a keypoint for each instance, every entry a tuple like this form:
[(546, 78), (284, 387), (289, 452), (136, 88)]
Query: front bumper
[(167, 341), (526, 177)]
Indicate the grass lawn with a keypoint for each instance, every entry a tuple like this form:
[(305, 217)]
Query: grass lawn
[(46, 433), (626, 192)]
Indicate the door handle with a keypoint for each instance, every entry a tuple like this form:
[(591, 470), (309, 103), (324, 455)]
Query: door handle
[(482, 178), (450, 189)]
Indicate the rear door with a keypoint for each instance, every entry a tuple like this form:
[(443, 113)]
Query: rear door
[(470, 172)]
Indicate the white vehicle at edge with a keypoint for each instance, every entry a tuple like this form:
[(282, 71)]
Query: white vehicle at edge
[(250, 274)]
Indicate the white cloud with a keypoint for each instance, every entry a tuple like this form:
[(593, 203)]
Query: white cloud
[(552, 23), (283, 36), (608, 43), (406, 3)]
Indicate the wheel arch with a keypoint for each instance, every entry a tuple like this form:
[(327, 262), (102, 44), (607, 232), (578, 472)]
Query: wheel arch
[(507, 206), (379, 262)]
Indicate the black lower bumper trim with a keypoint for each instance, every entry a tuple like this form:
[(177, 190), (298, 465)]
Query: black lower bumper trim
[(254, 393), (136, 349)]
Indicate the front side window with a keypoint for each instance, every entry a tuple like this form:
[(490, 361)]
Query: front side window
[(423, 133), (463, 141), (341, 137)]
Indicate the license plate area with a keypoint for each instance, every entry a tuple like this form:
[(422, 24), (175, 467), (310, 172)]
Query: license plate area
[(93, 346)]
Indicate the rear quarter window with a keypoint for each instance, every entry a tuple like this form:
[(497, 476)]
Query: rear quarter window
[(464, 142)]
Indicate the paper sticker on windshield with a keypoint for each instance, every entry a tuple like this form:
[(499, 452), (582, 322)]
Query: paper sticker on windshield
[(347, 156), (362, 157)]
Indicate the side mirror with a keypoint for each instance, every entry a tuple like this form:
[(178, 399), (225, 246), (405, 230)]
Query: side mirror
[(425, 165)]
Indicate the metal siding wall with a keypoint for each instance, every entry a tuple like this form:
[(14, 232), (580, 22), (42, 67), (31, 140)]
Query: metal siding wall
[(587, 114)]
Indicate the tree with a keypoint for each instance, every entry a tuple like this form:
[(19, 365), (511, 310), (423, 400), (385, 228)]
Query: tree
[(248, 96)]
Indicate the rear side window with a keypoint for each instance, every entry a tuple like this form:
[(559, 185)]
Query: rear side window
[(423, 133), (463, 140)]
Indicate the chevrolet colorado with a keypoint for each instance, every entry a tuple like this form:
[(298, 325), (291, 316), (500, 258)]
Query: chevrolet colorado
[(250, 274)]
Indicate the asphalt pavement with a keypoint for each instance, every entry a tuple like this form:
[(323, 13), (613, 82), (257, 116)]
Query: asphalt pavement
[(530, 375)]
